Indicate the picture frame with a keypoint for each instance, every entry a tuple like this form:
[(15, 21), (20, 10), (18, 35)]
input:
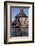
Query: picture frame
[(14, 7)]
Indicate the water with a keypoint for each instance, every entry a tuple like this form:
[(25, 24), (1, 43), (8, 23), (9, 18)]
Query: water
[(22, 32)]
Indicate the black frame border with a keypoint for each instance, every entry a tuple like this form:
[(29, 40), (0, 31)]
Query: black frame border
[(5, 19)]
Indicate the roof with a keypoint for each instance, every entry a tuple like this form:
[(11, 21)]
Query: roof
[(21, 14)]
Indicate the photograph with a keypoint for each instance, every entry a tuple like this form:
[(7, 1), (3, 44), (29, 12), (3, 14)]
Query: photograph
[(18, 22)]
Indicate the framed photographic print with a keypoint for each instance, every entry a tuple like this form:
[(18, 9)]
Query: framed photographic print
[(18, 22)]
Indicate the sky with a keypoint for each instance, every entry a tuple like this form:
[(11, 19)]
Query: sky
[(15, 11)]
